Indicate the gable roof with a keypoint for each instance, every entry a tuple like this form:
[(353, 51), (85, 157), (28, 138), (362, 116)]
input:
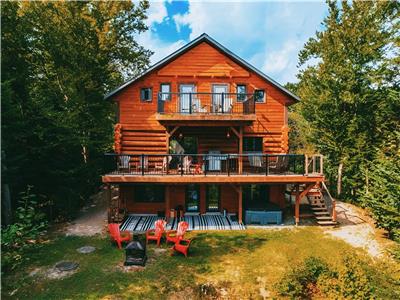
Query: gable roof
[(203, 38)]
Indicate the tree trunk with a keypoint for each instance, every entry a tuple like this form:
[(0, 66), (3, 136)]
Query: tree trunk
[(339, 179), (6, 201)]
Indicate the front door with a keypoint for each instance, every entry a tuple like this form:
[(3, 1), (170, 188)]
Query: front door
[(213, 197), (184, 99), (219, 95)]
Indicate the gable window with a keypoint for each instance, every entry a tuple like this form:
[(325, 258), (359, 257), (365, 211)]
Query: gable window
[(252, 144), (149, 193), (145, 94), (259, 95), (165, 89), (241, 92)]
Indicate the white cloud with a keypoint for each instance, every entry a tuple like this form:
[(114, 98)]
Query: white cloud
[(267, 34)]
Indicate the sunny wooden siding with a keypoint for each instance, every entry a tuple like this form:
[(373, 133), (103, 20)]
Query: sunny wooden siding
[(203, 66)]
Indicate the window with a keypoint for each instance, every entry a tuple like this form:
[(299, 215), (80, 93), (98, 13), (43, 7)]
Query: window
[(145, 94), (241, 92), (149, 193), (213, 196), (256, 197), (192, 198), (259, 95), (252, 144), (165, 89)]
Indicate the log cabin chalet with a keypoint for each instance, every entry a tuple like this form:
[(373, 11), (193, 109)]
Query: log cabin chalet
[(204, 133)]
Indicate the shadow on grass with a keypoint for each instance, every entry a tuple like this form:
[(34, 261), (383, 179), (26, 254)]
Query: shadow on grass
[(100, 273)]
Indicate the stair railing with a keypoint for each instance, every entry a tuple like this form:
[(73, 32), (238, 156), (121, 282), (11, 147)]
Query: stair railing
[(330, 203)]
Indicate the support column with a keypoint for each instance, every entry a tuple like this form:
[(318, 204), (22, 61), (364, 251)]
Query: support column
[(297, 205), (167, 202), (240, 211), (241, 150)]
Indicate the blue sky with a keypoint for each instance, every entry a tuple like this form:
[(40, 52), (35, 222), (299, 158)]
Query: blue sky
[(267, 34)]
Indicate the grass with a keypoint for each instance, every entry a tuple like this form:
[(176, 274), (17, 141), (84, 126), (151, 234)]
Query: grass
[(238, 262)]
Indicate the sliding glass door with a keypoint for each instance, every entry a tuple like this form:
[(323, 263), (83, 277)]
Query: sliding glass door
[(213, 197)]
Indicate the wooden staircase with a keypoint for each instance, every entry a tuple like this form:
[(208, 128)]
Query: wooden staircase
[(319, 199)]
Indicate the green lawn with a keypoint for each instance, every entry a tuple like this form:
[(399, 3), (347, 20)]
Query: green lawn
[(239, 263)]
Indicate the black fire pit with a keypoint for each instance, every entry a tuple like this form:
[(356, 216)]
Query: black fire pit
[(135, 253)]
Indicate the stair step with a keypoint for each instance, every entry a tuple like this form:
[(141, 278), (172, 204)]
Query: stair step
[(323, 218), (321, 213), (327, 223), (319, 208)]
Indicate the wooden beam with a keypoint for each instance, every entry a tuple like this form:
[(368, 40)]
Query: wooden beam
[(297, 205), (235, 132), (173, 131), (178, 179), (240, 150), (299, 196), (240, 213)]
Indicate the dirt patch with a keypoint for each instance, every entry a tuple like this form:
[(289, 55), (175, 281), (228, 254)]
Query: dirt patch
[(91, 220), (357, 229)]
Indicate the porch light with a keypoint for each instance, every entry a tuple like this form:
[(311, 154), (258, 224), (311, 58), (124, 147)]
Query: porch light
[(228, 135)]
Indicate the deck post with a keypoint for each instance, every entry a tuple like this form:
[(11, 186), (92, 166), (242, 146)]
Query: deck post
[(167, 203), (297, 205), (240, 150), (306, 165), (240, 213)]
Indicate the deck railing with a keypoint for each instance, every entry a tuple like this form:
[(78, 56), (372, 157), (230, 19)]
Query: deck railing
[(207, 164), (205, 103)]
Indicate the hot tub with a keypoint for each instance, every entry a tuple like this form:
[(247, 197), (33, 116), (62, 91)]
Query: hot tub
[(263, 217)]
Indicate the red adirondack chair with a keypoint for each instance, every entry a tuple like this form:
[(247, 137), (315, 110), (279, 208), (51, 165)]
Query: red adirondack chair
[(174, 235), (117, 235), (181, 246), (156, 234)]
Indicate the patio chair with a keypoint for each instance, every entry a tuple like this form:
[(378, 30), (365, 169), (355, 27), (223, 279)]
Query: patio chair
[(124, 163), (181, 246), (197, 107), (280, 165), (117, 235), (174, 235), (156, 233), (145, 163)]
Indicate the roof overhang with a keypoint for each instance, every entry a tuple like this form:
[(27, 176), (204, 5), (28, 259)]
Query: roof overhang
[(203, 38)]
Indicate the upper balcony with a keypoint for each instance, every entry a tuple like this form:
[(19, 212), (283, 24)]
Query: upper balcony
[(206, 107)]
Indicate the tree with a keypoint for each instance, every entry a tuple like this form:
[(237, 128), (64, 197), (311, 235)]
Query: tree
[(345, 90), (58, 60)]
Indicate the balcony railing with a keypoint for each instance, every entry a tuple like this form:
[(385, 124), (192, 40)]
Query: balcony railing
[(205, 103), (211, 164)]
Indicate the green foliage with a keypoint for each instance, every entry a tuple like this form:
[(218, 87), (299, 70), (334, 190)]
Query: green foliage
[(350, 77), (382, 191), (314, 278), (22, 235), (58, 60), (300, 282)]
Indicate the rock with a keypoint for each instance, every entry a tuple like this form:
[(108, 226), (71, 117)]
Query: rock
[(86, 249), (65, 266)]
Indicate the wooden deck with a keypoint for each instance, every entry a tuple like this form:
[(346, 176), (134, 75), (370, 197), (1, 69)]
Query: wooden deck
[(209, 178)]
